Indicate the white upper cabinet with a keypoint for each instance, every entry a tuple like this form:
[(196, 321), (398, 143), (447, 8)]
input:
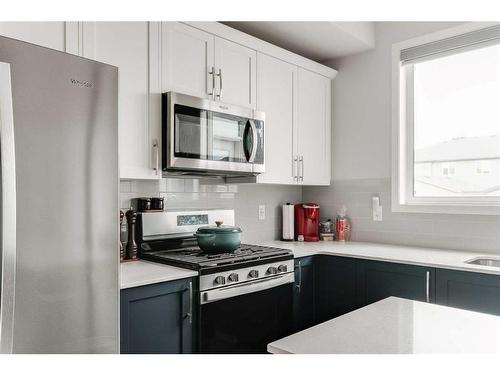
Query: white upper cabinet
[(208, 60), (275, 97), (297, 107), (187, 60), (235, 67), (198, 63), (313, 128), (126, 45), (46, 34)]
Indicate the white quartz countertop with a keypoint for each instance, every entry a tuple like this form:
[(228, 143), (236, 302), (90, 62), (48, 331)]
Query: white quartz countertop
[(421, 256), (397, 326), (141, 272)]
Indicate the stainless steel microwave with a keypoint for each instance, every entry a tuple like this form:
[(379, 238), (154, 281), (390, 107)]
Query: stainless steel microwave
[(201, 136)]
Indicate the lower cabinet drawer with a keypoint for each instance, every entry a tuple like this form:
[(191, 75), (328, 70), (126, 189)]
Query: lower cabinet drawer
[(378, 280), (468, 290)]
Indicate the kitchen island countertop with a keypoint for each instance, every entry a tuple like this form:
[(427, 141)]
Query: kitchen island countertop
[(397, 326)]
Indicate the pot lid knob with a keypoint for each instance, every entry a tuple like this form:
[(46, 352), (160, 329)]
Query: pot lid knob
[(218, 223)]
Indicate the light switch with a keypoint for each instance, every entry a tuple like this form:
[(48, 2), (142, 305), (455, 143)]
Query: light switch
[(376, 209), (262, 212)]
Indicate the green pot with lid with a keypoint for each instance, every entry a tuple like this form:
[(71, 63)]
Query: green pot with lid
[(219, 238)]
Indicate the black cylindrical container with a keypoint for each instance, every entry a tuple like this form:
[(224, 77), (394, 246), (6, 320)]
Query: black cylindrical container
[(157, 203), (143, 204)]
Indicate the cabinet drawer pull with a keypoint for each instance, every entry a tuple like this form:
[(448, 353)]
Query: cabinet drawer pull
[(301, 174), (212, 73), (299, 284), (156, 152), (295, 168), (190, 312), (427, 286), (219, 95)]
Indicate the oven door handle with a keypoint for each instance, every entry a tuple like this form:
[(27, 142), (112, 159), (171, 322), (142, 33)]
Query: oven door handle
[(250, 287)]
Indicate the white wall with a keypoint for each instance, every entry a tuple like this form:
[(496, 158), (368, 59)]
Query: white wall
[(361, 155), (362, 103)]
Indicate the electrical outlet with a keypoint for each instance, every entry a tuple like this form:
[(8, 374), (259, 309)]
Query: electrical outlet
[(262, 212), (376, 209)]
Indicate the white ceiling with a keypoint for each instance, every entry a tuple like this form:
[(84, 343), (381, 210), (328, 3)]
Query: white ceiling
[(318, 41)]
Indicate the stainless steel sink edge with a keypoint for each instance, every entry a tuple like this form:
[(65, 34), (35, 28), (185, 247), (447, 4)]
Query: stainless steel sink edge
[(485, 261)]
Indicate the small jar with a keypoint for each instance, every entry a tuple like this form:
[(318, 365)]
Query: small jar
[(157, 203), (326, 226), (143, 204)]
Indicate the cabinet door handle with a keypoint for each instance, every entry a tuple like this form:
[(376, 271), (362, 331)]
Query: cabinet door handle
[(190, 311), (212, 73), (156, 152), (295, 168), (219, 95), (299, 284), (301, 161), (427, 286)]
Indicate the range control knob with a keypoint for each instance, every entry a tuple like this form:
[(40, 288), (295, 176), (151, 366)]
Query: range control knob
[(232, 278), (282, 268), (220, 280), (253, 274), (272, 270)]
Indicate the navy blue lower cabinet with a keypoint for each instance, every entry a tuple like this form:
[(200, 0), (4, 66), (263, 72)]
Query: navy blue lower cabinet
[(156, 318), (379, 280), (468, 290), (336, 286), (304, 309)]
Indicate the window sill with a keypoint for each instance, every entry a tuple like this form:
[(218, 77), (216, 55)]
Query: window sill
[(446, 209)]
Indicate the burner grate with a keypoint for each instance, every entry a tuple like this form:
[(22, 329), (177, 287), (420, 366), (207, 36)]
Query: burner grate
[(193, 257)]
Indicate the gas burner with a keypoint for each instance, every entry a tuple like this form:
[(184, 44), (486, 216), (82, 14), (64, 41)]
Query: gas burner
[(194, 258)]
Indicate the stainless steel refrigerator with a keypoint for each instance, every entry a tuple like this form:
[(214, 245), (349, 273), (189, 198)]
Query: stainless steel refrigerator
[(59, 202)]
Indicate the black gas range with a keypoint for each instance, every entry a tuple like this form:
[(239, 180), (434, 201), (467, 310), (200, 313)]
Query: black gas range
[(243, 298)]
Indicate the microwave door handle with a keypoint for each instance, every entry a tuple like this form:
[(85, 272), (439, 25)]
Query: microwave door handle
[(255, 141)]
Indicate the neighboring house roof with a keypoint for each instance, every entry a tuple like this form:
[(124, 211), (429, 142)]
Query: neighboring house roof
[(471, 148)]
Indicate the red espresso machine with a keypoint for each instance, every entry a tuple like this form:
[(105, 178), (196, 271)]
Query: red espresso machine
[(307, 221)]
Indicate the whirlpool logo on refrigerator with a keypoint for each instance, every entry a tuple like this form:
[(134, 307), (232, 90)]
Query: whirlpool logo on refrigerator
[(79, 83)]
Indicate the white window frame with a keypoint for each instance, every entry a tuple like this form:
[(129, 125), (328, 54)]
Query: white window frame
[(403, 199)]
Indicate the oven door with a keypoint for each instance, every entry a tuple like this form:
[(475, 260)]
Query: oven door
[(231, 322), (206, 136)]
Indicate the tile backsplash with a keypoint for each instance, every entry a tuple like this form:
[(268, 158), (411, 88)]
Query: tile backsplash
[(460, 232), (184, 193)]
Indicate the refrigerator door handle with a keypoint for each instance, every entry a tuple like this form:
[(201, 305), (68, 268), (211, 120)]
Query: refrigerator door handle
[(7, 210)]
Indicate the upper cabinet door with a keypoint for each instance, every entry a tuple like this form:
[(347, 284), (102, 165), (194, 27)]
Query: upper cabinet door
[(46, 34), (126, 45), (187, 60), (275, 97), (313, 128), (236, 73)]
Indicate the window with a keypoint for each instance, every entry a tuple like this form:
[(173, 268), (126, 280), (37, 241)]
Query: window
[(447, 125)]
